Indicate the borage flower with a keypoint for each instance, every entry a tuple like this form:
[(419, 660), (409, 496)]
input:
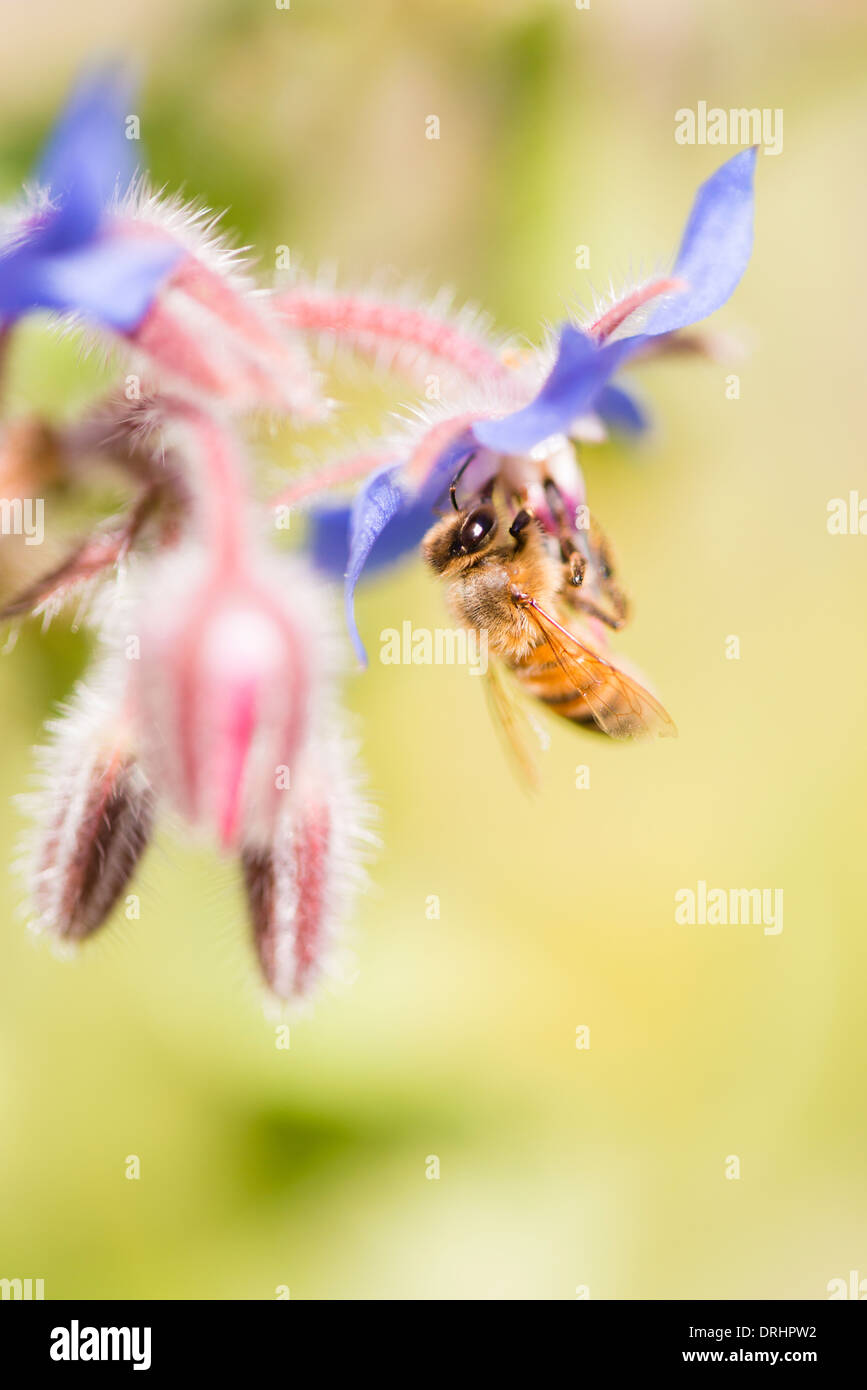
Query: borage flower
[(95, 243), (228, 710), (510, 433), (215, 689), (64, 252)]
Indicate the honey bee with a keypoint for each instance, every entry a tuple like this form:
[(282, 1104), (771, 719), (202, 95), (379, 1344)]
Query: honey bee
[(529, 601)]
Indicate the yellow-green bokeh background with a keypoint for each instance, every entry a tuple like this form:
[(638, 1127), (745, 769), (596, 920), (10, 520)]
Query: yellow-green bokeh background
[(559, 1167)]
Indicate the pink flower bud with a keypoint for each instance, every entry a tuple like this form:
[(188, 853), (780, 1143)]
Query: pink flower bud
[(94, 819), (300, 886), (230, 672)]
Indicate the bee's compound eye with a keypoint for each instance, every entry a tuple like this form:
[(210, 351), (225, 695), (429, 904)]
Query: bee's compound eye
[(479, 524)]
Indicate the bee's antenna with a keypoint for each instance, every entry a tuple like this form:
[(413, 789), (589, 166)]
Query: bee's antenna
[(457, 478)]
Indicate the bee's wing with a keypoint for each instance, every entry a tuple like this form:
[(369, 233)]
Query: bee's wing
[(513, 724), (620, 706)]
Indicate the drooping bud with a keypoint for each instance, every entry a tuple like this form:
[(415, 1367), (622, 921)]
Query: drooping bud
[(301, 885), (94, 819), (231, 668)]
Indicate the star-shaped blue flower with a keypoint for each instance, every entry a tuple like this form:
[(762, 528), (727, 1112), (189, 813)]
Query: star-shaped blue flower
[(389, 517), (72, 257)]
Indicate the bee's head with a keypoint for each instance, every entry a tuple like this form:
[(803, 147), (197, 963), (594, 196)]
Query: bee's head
[(460, 537)]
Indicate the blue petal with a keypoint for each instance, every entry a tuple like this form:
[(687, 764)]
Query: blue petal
[(375, 506), (113, 280), (578, 375), (328, 537), (716, 246), (87, 156), (386, 520), (621, 410)]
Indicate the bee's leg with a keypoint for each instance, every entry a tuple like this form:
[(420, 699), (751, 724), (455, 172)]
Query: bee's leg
[(611, 591), (574, 561), (605, 566), (619, 602), (570, 550), (586, 605)]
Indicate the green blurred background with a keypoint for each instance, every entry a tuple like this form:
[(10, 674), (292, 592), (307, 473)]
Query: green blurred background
[(560, 1167)]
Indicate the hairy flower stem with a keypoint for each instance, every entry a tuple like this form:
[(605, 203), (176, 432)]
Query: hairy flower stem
[(219, 490), (346, 470), (370, 324)]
